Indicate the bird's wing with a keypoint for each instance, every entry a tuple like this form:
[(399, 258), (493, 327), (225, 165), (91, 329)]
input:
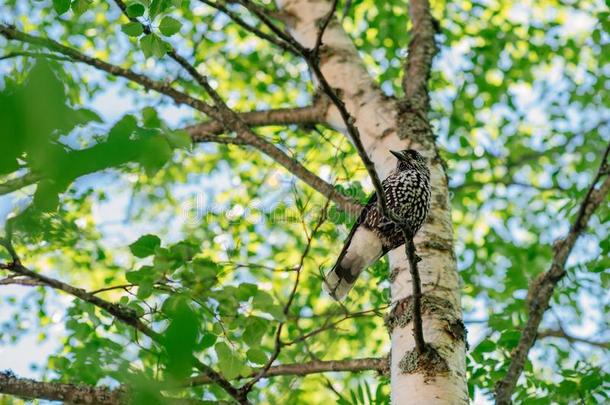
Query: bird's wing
[(370, 204)]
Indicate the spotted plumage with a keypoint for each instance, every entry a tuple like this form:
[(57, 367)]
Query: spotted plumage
[(407, 193)]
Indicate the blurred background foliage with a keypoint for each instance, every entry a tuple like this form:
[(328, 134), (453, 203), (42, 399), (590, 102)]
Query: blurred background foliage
[(203, 240)]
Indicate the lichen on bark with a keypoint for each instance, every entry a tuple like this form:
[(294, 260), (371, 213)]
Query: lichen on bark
[(430, 363)]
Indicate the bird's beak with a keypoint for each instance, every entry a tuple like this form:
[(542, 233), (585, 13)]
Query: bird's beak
[(398, 155)]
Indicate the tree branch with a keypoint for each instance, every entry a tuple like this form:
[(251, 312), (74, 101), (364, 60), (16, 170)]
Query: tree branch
[(18, 183), (313, 114), (541, 290), (571, 338), (22, 281), (34, 55), (125, 315), (313, 367), (293, 166), (68, 393)]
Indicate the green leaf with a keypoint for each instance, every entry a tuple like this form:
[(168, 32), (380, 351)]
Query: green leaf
[(135, 10), (179, 140), (145, 289), (207, 340), (254, 330), (180, 339), (146, 44), (46, 197), (150, 118), (85, 115), (157, 7), (61, 6), (154, 154), (246, 290), (229, 362), (123, 128), (169, 26), (509, 338), (145, 246), (133, 29), (152, 45), (256, 355), (486, 346), (80, 6), (143, 273)]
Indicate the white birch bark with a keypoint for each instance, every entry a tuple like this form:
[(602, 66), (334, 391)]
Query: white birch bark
[(383, 127)]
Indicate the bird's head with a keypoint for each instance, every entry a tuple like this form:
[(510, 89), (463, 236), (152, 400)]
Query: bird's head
[(410, 159)]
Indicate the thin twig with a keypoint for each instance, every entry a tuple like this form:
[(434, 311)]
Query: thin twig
[(329, 16), (278, 343), (222, 7)]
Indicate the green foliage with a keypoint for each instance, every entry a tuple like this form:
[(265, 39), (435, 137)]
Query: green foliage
[(133, 29), (519, 104), (169, 26), (145, 246)]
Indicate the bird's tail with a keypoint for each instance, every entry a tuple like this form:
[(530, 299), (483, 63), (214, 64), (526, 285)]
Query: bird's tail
[(363, 249), (338, 282)]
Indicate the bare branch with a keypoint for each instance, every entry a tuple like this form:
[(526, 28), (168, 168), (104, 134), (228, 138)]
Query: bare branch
[(571, 338), (541, 290), (313, 114), (124, 314), (314, 367), (22, 281), (329, 16), (231, 121), (76, 393), (19, 183), (69, 393)]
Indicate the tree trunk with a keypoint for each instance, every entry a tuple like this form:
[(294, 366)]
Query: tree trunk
[(385, 123)]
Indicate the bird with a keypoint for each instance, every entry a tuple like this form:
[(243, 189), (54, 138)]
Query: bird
[(407, 194)]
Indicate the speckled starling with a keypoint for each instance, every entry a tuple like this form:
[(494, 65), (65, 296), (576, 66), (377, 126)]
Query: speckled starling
[(407, 193)]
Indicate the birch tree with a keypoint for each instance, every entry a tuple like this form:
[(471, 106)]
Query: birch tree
[(178, 176)]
